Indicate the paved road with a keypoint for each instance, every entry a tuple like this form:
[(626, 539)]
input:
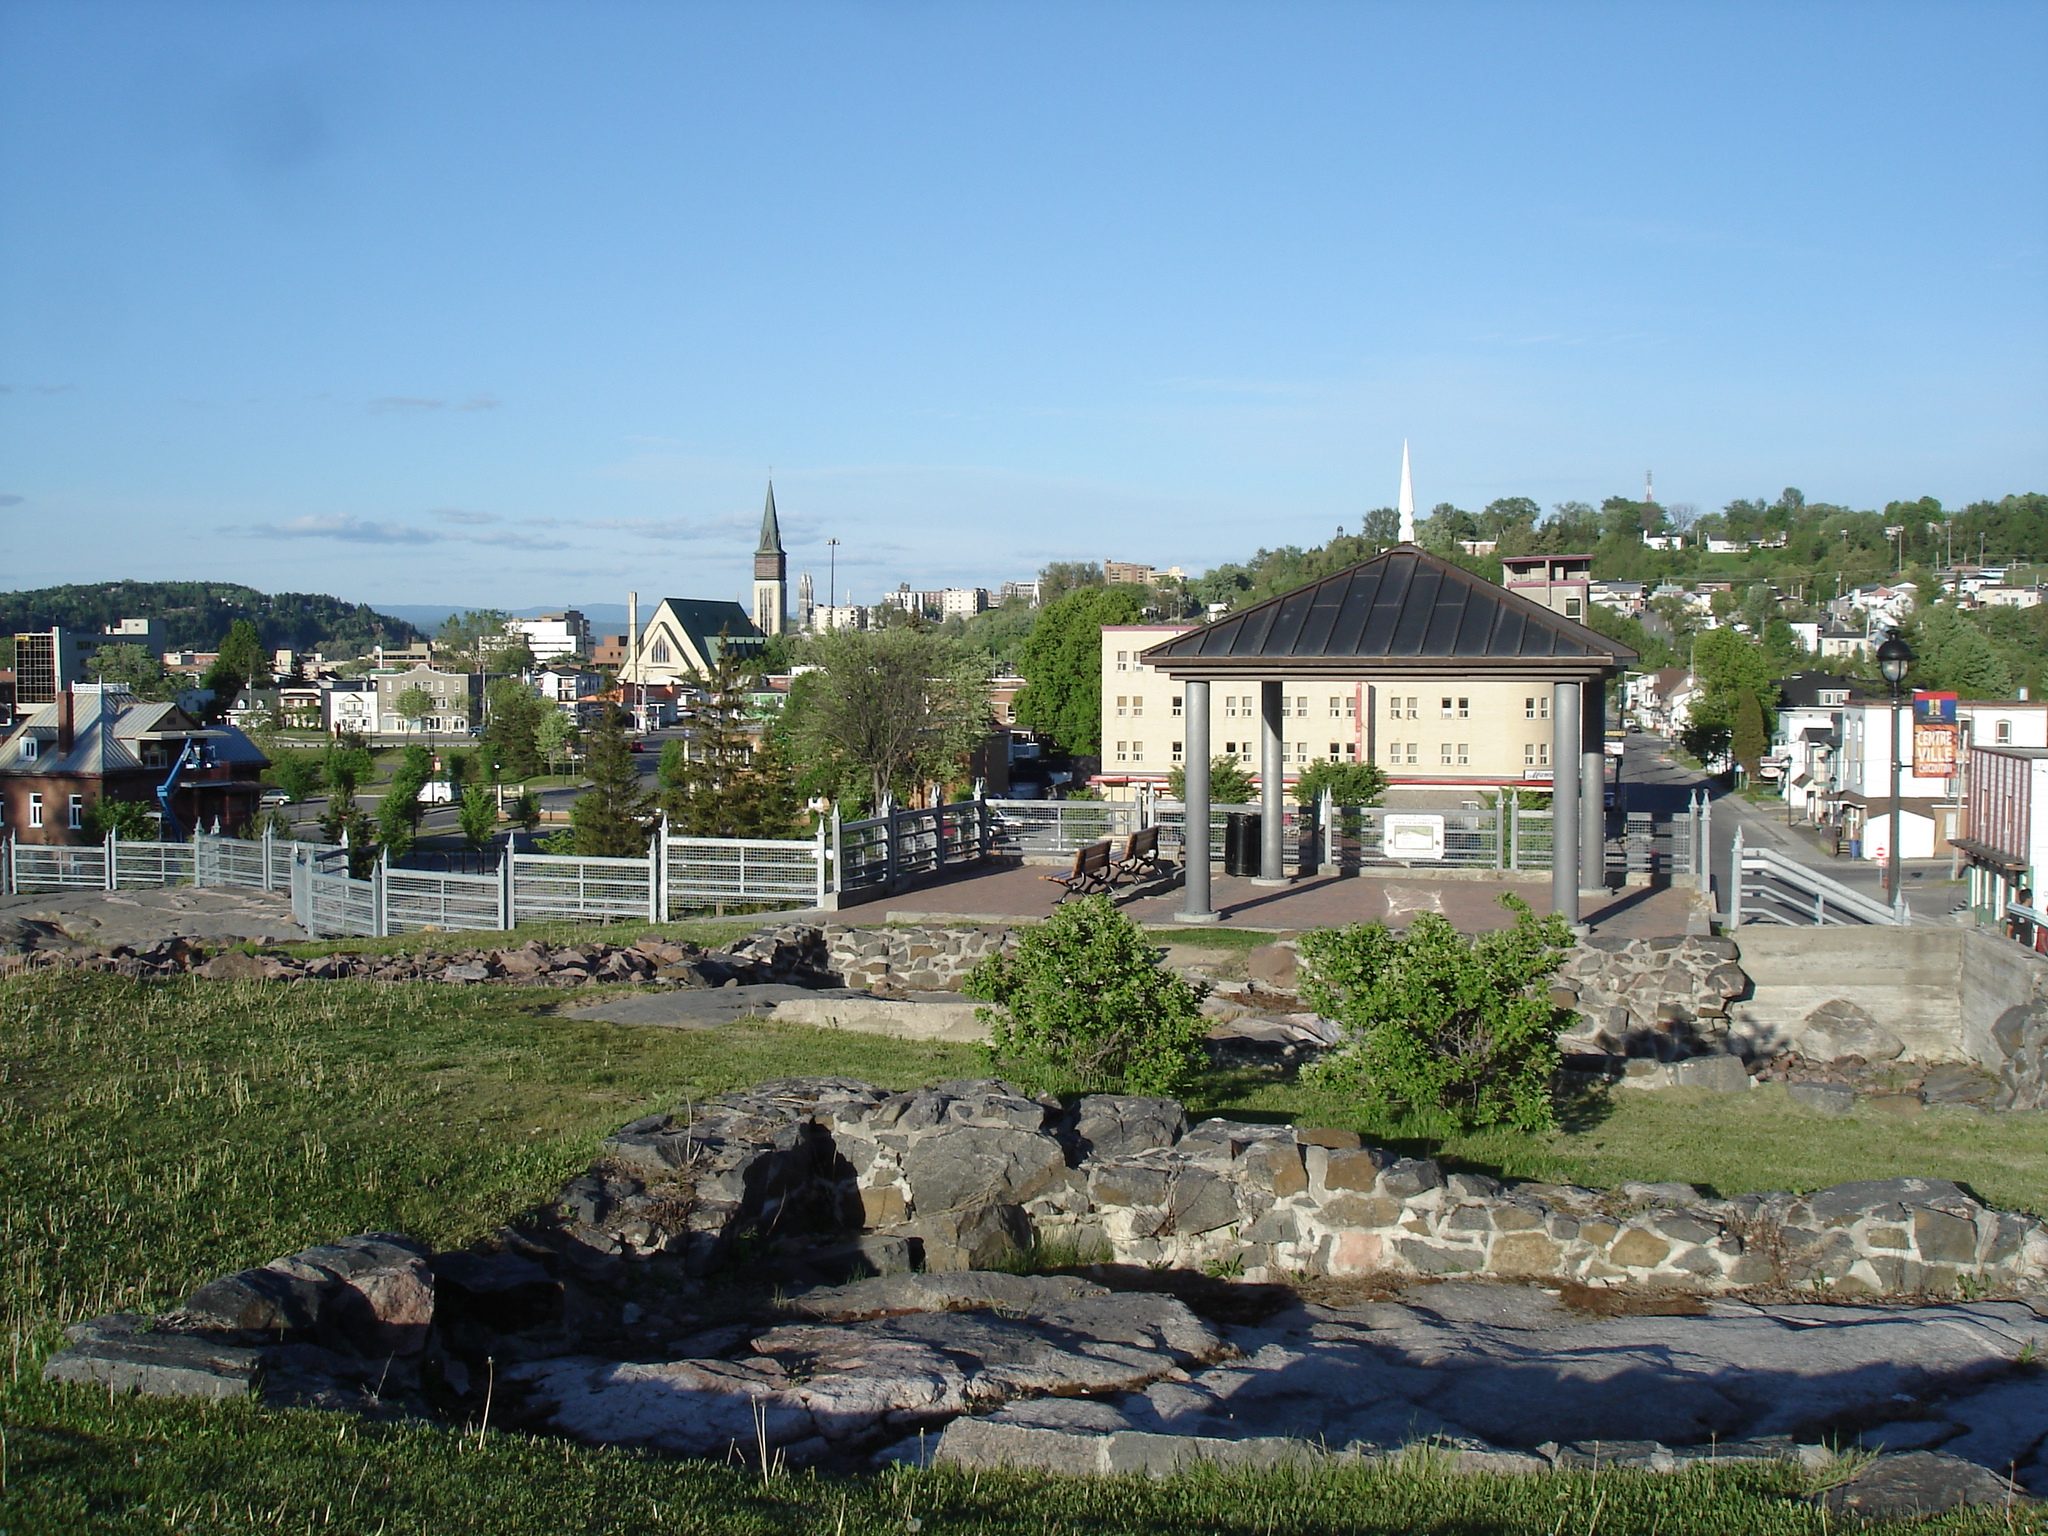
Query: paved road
[(1658, 784)]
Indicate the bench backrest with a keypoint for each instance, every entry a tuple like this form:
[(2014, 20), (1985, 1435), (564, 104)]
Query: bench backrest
[(1142, 844), (1093, 857)]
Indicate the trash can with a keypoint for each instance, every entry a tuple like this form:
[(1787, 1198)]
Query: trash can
[(1241, 839)]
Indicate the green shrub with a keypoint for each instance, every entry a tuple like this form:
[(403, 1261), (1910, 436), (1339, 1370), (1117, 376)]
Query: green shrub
[(1089, 1004), (1435, 1021), (1349, 784)]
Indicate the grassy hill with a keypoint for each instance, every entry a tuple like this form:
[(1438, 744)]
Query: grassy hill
[(194, 615)]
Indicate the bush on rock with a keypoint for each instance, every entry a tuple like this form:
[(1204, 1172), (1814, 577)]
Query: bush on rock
[(1088, 1001), (1438, 1022)]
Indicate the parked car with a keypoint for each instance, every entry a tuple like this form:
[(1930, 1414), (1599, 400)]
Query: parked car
[(275, 797)]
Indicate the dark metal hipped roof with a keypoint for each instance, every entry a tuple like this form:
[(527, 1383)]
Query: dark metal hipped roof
[(1404, 609)]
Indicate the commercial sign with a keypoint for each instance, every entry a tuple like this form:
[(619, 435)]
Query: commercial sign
[(1934, 735)]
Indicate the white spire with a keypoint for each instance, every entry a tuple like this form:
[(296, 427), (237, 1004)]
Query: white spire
[(1407, 498)]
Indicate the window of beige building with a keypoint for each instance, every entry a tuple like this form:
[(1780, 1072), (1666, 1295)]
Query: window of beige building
[(1537, 708), (1535, 754), (1176, 706)]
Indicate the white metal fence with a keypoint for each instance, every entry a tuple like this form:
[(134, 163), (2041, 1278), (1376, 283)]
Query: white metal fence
[(113, 865)]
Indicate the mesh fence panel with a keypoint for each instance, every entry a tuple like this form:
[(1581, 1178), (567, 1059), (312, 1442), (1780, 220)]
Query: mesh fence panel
[(41, 867), (552, 887), (415, 899), (703, 871)]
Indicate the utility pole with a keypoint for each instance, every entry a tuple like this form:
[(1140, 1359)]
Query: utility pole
[(832, 573)]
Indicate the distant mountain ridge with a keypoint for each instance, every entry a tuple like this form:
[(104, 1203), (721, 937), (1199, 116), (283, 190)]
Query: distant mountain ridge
[(195, 615)]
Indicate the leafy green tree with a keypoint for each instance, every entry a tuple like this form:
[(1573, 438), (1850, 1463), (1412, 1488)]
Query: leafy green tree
[(478, 816), (347, 759), (554, 737), (131, 821), (242, 662), (1440, 1023), (1750, 738), (1062, 665), (511, 742), (296, 773), (1229, 784), (1731, 666), (610, 818), (1061, 577), (524, 812), (415, 703), (1085, 1003), (1349, 784), (137, 670), (1951, 652), (472, 636), (398, 813), (899, 708)]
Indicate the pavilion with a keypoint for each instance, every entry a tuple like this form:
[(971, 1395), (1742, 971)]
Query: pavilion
[(1402, 615)]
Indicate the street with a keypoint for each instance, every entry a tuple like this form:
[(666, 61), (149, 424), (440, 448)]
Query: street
[(1658, 784)]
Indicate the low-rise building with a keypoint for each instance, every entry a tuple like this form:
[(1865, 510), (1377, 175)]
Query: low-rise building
[(1929, 810), (826, 618), (1561, 583), (553, 636), (99, 742), (1428, 731), (348, 706), (684, 638), (2005, 839), (563, 686), (454, 701)]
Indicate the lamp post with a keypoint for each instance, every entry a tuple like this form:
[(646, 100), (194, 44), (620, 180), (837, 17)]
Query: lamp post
[(1893, 658)]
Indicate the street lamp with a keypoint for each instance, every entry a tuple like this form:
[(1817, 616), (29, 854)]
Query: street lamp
[(1893, 658)]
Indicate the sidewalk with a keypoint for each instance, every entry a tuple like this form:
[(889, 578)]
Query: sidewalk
[(1323, 901)]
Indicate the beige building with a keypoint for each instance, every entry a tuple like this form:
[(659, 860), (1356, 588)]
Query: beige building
[(1422, 731)]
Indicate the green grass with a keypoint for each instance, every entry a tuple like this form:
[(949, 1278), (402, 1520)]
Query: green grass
[(711, 933), (154, 1135)]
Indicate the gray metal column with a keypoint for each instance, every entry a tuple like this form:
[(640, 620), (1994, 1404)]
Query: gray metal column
[(1593, 791), (1565, 741), (1272, 788), (1195, 906)]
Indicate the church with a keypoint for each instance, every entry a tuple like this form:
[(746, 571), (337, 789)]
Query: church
[(685, 636)]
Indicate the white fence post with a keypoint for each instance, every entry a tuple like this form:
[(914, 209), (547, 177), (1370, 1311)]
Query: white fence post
[(838, 871), (266, 856), (508, 896), (112, 880), (380, 917), (821, 855), (1735, 879), (655, 849)]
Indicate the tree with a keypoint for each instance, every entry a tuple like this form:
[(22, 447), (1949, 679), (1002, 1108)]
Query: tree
[(398, 813), (1086, 1002), (511, 741), (478, 817), (609, 820), (241, 663), (472, 636), (1229, 784), (1350, 785), (1729, 666), (1437, 1022), (554, 737), (1381, 527), (899, 708), (131, 821), (1062, 666), (135, 669), (525, 811), (296, 773), (415, 703), (717, 785), (1750, 739), (1061, 577)]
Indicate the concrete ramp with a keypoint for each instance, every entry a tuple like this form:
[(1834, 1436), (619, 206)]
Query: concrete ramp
[(1910, 980)]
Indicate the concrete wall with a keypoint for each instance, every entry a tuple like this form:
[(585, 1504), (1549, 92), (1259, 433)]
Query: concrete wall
[(1909, 980), (1949, 994)]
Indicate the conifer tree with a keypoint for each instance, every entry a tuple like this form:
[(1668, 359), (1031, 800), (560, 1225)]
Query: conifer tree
[(609, 820)]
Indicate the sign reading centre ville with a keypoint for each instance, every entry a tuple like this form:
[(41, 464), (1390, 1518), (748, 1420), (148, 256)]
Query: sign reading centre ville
[(1934, 735)]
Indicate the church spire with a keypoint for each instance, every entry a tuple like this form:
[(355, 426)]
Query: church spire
[(771, 530), (1407, 498), (771, 573)]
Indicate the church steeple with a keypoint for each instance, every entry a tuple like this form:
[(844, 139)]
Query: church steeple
[(771, 573), (1407, 534)]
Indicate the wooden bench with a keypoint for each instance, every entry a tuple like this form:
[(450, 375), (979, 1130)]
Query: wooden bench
[(1094, 870), (1141, 857)]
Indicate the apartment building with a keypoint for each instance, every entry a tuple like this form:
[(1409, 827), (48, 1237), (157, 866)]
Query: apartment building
[(1561, 583), (2005, 839), (1425, 731), (458, 699), (1930, 809), (553, 636)]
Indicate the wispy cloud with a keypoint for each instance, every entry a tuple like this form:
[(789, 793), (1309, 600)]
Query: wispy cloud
[(673, 529), (7, 500), (386, 405), (347, 528), (456, 515), (36, 389)]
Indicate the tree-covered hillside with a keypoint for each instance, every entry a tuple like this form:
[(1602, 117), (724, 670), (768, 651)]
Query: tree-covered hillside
[(194, 615)]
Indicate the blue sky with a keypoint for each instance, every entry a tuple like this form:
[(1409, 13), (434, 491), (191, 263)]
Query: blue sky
[(516, 303)]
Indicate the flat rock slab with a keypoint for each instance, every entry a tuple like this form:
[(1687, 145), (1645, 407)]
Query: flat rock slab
[(103, 920), (965, 1290), (701, 1007), (1915, 1485), (911, 1019), (821, 1389)]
